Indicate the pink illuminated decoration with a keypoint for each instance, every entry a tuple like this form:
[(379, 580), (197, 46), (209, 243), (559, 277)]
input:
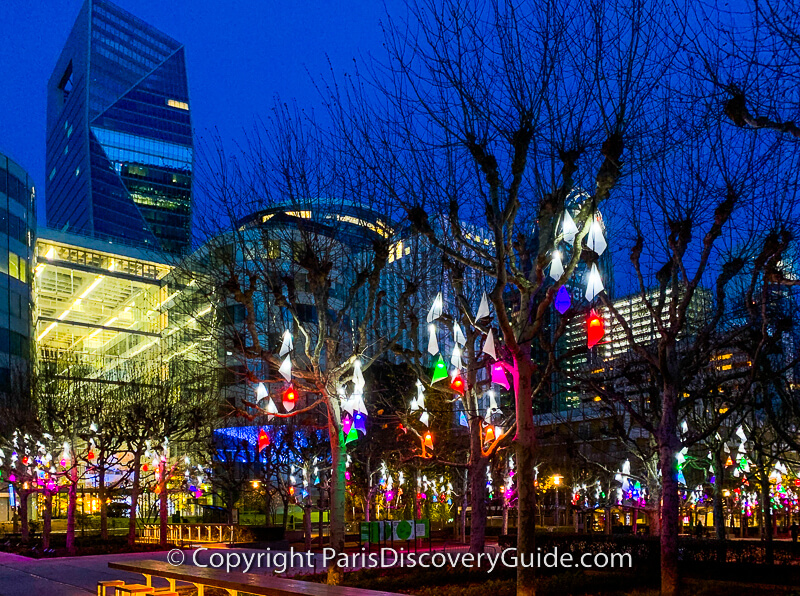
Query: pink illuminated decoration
[(347, 423), (499, 376)]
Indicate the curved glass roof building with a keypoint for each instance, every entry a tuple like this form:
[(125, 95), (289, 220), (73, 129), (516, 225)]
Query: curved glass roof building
[(119, 135)]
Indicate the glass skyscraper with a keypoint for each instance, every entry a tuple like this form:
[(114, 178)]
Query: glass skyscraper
[(119, 133), (17, 229)]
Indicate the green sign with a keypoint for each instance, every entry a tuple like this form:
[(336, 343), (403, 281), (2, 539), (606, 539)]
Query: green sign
[(400, 530)]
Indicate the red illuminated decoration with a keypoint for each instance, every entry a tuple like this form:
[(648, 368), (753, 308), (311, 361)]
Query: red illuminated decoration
[(91, 455), (594, 329), (289, 398), (145, 468), (797, 481), (457, 384), (263, 440), (428, 440), (25, 460)]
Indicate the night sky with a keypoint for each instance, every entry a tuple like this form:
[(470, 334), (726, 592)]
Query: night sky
[(240, 55)]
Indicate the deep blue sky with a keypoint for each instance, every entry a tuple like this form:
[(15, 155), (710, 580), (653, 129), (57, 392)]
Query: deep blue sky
[(240, 55)]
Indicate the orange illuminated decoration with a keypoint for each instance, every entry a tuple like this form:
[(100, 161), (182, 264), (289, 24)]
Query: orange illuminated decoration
[(594, 329), (489, 434), (428, 440), (457, 384), (729, 461)]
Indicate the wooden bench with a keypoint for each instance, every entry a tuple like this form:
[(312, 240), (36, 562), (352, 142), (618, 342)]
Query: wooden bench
[(235, 582)]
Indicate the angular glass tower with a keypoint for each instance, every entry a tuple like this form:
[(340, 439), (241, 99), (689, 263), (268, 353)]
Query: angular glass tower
[(119, 134)]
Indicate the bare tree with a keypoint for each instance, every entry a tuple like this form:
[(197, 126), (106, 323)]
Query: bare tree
[(484, 120), (300, 244)]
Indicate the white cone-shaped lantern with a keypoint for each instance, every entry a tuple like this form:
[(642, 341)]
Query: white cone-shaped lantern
[(594, 284), (483, 308), (568, 228), (433, 343), (436, 309), (595, 240), (287, 345), (286, 368), (488, 345), (556, 266)]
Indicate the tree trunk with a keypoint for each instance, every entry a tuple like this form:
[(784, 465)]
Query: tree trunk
[(285, 515), (162, 506), (72, 506), (526, 491), (101, 495), (653, 507), (338, 463), (719, 505), (47, 516), (137, 468), (670, 580), (766, 511), (464, 504), (22, 495), (307, 529), (477, 487)]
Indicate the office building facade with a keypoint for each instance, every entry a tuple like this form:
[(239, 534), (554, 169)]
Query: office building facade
[(119, 136), (17, 236)]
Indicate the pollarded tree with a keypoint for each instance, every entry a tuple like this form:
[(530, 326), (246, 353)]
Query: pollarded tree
[(487, 121), (297, 260)]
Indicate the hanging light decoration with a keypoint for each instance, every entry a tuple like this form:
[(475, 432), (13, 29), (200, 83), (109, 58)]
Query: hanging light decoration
[(488, 345), (263, 440), (489, 436), (562, 301), (594, 329), (347, 423), (455, 359), (360, 422), (458, 334), (483, 308), (556, 266), (568, 228), (594, 283), (433, 342), (286, 345), (439, 370), (436, 308), (595, 240), (289, 398), (428, 440), (286, 368), (499, 376), (261, 392), (457, 384)]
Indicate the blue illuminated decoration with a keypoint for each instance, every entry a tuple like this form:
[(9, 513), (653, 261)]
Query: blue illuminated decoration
[(563, 300)]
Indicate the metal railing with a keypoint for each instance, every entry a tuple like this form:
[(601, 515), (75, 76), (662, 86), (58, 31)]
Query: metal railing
[(189, 533)]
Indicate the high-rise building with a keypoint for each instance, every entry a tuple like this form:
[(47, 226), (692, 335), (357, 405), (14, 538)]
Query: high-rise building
[(17, 229), (119, 133)]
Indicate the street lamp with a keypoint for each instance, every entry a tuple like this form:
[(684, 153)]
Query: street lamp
[(557, 482)]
